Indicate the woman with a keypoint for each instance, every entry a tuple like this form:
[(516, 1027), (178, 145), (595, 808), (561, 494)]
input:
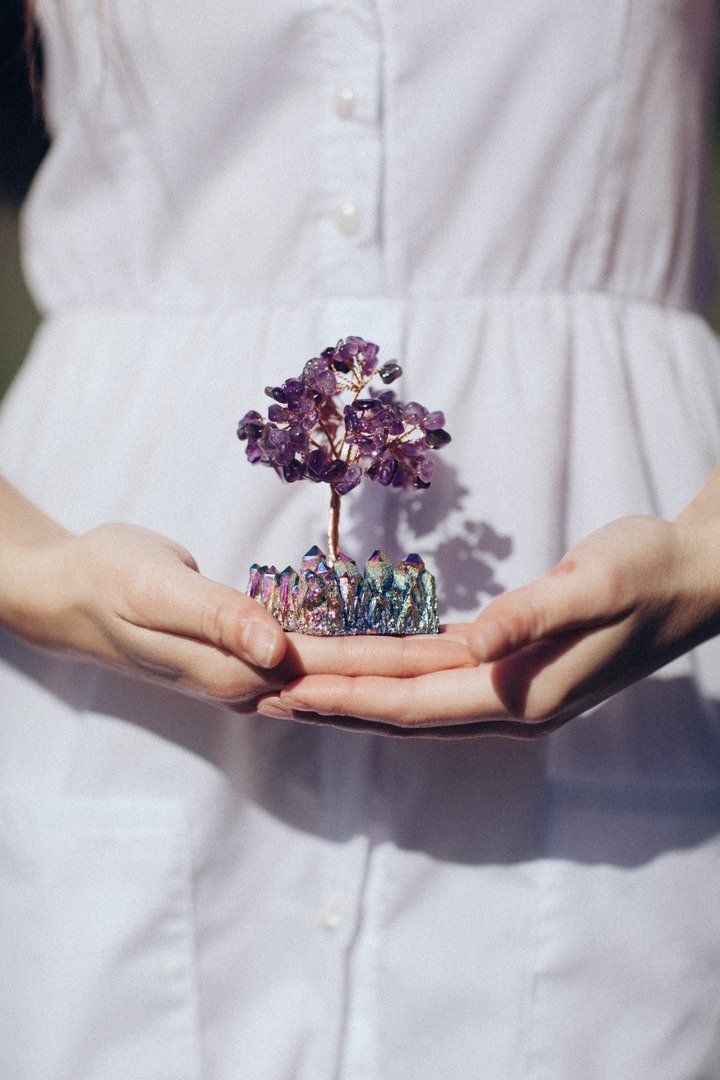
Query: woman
[(509, 198)]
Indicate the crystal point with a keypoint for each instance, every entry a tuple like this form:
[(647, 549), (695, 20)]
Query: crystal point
[(311, 559)]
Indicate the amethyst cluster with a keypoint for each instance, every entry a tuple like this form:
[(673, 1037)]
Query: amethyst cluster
[(332, 600), (329, 426)]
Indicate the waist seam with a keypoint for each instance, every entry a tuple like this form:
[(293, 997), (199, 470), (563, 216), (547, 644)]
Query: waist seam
[(406, 298)]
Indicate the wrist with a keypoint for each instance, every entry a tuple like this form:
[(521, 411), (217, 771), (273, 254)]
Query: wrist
[(35, 587), (698, 537), (705, 506)]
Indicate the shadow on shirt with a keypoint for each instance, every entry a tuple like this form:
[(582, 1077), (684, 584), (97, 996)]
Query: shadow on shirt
[(633, 778)]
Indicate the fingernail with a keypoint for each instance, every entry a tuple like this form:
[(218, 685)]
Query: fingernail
[(273, 706), (289, 701), (259, 643), (488, 639)]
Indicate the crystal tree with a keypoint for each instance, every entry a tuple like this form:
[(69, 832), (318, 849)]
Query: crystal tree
[(331, 426)]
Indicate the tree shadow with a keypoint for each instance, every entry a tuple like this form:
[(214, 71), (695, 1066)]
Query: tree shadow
[(463, 551), (463, 571)]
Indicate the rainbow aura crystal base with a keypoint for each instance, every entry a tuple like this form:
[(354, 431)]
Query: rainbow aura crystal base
[(326, 600)]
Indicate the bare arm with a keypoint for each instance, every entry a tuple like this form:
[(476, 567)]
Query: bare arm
[(704, 509), (23, 528), (22, 524)]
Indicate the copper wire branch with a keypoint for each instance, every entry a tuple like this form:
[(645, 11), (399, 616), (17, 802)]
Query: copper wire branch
[(333, 528)]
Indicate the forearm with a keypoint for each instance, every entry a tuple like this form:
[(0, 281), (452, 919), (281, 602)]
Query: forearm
[(22, 524), (25, 532), (698, 526), (705, 507)]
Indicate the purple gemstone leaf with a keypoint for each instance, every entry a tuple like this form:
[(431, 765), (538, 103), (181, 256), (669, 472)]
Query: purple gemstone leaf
[(335, 472), (298, 437), (293, 388), (351, 479), (426, 469), (413, 412), (390, 372), (317, 463), (433, 421), (253, 451), (438, 438), (292, 472)]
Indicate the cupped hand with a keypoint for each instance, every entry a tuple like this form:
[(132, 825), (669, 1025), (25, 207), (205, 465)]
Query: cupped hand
[(623, 602), (127, 596)]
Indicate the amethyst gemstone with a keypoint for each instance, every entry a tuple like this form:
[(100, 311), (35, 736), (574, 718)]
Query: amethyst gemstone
[(390, 372), (434, 420), (413, 412), (438, 438), (350, 479)]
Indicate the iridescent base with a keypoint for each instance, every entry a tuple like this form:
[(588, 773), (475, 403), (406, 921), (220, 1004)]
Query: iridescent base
[(339, 600)]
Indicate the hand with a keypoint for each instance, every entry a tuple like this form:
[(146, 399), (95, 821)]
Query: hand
[(623, 602), (130, 597)]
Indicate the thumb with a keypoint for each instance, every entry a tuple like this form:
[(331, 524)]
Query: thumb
[(235, 622), (180, 600), (568, 598)]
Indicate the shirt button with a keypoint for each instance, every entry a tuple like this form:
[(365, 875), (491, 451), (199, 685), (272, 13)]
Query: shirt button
[(347, 217), (345, 102), (331, 915)]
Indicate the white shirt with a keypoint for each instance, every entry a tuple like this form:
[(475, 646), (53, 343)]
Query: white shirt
[(508, 198)]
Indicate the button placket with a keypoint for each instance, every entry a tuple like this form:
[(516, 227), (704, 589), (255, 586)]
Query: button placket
[(353, 150), (346, 216), (345, 102), (332, 914)]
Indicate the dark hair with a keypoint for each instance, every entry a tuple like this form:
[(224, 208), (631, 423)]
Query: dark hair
[(23, 140), (30, 47)]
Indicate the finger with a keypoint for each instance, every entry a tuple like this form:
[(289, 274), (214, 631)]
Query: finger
[(180, 600), (490, 728), (457, 632), (570, 597), (524, 695), (197, 666), (439, 698), (368, 655)]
